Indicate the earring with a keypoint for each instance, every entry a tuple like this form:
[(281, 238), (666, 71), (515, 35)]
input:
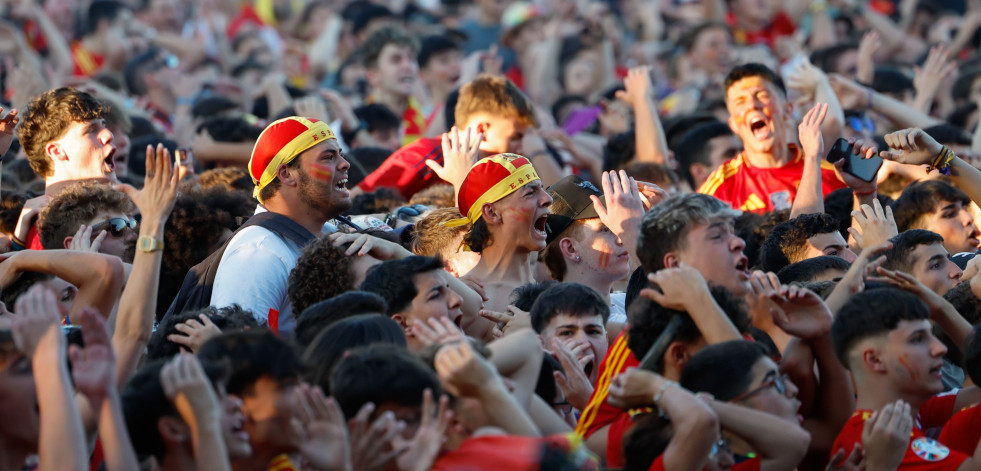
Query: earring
[(578, 259)]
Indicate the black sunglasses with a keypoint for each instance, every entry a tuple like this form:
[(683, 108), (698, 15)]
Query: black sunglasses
[(117, 226)]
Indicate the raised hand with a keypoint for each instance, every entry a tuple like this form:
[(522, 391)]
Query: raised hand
[(907, 282), (84, 242), (463, 371), (508, 322), (867, 47), (326, 444), (460, 152), (194, 333), (312, 106), (364, 244), (369, 441), (637, 85), (800, 312), (94, 366), (911, 146), (437, 331), (185, 384), (928, 79), (156, 199), (761, 285), (877, 225), (7, 125), (426, 444), (621, 207), (634, 388), (809, 131), (805, 77), (36, 320), (886, 436), (573, 381), (680, 287)]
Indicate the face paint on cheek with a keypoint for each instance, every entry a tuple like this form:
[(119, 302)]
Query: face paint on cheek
[(902, 361), (522, 215), (322, 172), (604, 260)]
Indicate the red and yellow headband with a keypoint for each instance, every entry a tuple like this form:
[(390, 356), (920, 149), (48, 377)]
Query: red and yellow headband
[(489, 180), (280, 143)]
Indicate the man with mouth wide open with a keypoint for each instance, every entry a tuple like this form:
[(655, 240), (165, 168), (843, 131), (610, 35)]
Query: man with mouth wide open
[(765, 175)]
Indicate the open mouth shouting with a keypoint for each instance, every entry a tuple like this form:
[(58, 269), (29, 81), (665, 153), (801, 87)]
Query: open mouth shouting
[(108, 165), (760, 127), (540, 226), (341, 187), (742, 266)]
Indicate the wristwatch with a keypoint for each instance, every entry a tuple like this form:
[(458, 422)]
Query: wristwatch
[(149, 244)]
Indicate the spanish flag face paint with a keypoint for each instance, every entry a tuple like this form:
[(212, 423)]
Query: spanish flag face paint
[(490, 180), (280, 143)]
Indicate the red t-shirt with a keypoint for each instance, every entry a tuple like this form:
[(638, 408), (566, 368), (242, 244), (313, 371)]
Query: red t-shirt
[(514, 453), (781, 25), (598, 413), (406, 169), (761, 190), (85, 61), (922, 453), (752, 464), (963, 431)]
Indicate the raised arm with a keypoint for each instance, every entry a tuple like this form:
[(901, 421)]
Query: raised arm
[(810, 197), (780, 444), (648, 133), (138, 303), (186, 385), (684, 289), (863, 97)]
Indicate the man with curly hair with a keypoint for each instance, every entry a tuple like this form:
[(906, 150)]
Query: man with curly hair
[(324, 271), (803, 237), (103, 215)]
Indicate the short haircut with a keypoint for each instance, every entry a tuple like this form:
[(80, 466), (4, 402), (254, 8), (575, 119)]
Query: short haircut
[(314, 319), (381, 374), (972, 355), (394, 280), (647, 439), (76, 205), (648, 320), (330, 344), (144, 403), (723, 370), (494, 96), (524, 296), (665, 227), (272, 189), (920, 199), (827, 58), (807, 270), (143, 63), (872, 313), (322, 271), (948, 134), (572, 299), (619, 150), (434, 45), (251, 355), (372, 48), (47, 119), (228, 319), (740, 72), (552, 255), (478, 236), (431, 238), (694, 147), (689, 39), (10, 294), (969, 307), (11, 204), (900, 256), (889, 79), (787, 242), (378, 117)]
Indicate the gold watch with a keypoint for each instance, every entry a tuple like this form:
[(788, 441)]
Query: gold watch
[(149, 244)]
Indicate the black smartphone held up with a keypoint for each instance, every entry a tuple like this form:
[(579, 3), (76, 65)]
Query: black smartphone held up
[(864, 169)]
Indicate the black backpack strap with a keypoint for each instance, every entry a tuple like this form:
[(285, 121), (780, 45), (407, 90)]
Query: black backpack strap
[(281, 225)]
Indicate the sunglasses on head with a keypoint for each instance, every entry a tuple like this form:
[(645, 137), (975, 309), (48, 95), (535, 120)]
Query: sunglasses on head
[(116, 226)]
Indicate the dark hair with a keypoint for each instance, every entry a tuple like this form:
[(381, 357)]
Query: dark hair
[(331, 343), (11, 204), (648, 320), (322, 271), (827, 58), (433, 45), (377, 117), (969, 307), (48, 117), (213, 106), (524, 296), (381, 374), (546, 388), (228, 319), (10, 294), (144, 403), (688, 40), (251, 355), (807, 270), (314, 319), (871, 313), (787, 242), (972, 355), (272, 189), (478, 237), (77, 205), (755, 228), (647, 439), (838, 203), (571, 299), (372, 47), (230, 129), (363, 13), (137, 152), (619, 150), (740, 72), (228, 178), (899, 257), (694, 147), (921, 198), (394, 280), (141, 64), (381, 200), (948, 134), (723, 370), (102, 10), (890, 80)]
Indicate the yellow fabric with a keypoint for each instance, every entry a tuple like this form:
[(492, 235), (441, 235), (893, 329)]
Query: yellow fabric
[(500, 190), (316, 133)]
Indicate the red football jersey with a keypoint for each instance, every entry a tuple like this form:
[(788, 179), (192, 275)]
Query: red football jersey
[(406, 169), (761, 190), (963, 431)]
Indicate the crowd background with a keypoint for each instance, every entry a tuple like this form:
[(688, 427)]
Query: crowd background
[(503, 207)]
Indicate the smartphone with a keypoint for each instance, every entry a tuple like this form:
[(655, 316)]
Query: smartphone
[(863, 169)]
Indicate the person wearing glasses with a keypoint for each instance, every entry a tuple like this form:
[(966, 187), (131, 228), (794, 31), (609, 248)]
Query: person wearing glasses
[(89, 217)]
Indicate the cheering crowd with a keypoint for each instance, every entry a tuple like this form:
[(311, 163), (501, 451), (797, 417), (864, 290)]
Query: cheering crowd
[(412, 235)]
